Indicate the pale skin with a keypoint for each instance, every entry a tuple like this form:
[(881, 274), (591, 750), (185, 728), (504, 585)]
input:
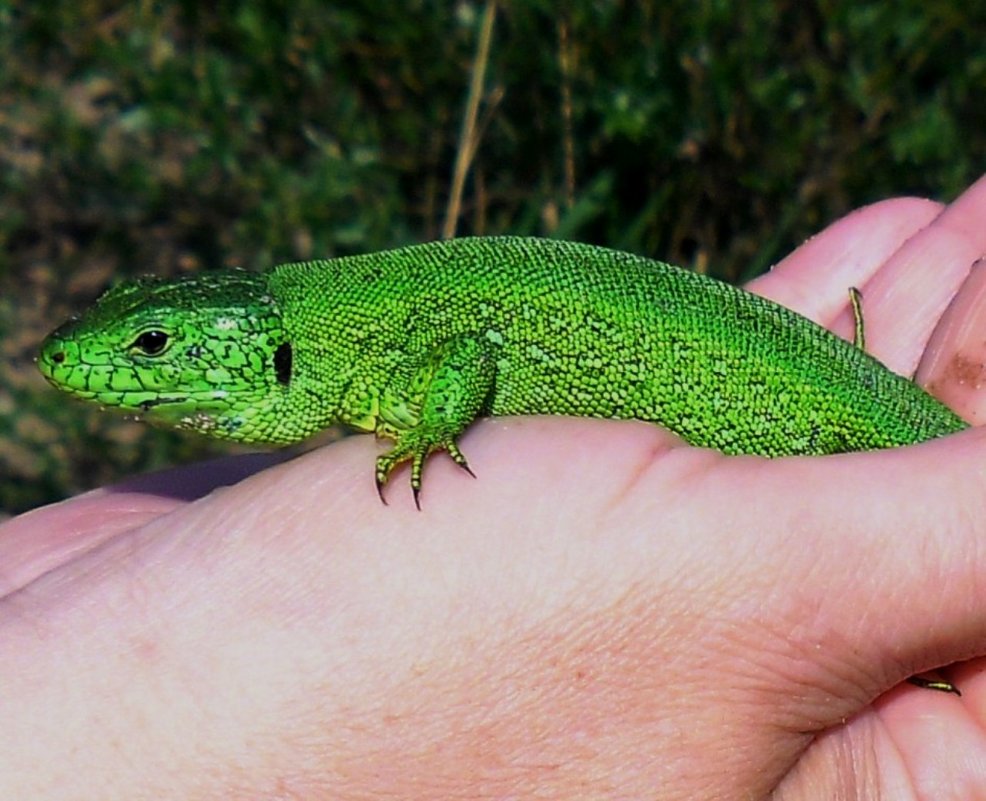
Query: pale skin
[(605, 613)]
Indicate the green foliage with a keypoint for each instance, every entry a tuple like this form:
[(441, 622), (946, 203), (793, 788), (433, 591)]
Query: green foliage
[(175, 136)]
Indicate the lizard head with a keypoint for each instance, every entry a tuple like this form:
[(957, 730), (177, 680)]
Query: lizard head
[(206, 353)]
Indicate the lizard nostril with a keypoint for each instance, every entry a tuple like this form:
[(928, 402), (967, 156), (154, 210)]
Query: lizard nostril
[(58, 356)]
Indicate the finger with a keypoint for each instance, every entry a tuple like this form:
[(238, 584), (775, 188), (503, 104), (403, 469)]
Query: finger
[(887, 565), (904, 300), (939, 739), (815, 279), (953, 367), (46, 538)]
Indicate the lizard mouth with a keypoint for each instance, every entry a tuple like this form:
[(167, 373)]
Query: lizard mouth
[(152, 403)]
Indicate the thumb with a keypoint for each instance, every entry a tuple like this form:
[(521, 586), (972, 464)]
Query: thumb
[(880, 559)]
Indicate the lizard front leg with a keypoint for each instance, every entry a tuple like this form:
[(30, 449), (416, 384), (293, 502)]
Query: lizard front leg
[(428, 410)]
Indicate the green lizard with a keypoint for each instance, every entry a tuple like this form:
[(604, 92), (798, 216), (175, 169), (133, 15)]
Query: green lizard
[(414, 344)]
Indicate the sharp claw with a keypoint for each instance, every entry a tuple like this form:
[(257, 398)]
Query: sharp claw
[(931, 684), (380, 486), (944, 687), (453, 450), (416, 491)]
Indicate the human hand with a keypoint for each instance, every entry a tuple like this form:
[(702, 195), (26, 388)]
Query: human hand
[(604, 613)]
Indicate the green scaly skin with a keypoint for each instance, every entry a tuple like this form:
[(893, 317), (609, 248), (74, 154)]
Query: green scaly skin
[(414, 344)]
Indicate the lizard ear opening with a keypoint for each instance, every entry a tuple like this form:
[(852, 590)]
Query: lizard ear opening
[(282, 363)]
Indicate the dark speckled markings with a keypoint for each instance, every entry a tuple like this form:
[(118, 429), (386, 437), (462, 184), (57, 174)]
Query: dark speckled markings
[(415, 343)]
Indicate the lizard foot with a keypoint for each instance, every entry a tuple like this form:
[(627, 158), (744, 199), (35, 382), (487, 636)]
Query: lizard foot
[(417, 451)]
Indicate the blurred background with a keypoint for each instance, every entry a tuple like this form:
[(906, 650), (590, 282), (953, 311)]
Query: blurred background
[(168, 137)]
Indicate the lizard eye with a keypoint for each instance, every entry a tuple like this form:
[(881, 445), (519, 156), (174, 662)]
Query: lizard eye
[(151, 343)]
